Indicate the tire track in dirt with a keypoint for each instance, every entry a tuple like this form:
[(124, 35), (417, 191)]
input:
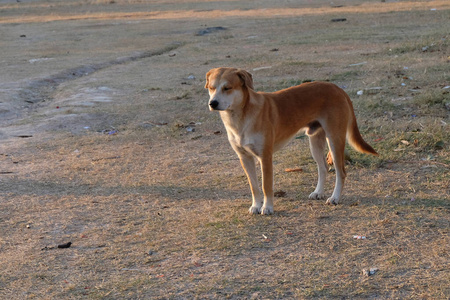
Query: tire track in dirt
[(39, 93), (41, 89)]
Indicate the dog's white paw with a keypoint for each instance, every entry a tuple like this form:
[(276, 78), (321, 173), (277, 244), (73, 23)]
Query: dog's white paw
[(266, 210), (332, 201), (254, 210), (316, 196)]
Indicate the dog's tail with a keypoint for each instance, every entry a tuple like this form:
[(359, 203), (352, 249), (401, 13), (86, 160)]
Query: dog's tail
[(354, 137)]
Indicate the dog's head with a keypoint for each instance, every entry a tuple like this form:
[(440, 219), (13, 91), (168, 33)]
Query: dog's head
[(228, 87)]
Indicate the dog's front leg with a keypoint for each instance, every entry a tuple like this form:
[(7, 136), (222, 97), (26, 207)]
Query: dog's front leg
[(248, 164), (267, 184)]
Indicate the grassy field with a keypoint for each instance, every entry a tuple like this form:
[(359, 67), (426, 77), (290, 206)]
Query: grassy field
[(106, 142)]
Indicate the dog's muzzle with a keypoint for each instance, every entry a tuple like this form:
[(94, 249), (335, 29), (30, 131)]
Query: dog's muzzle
[(213, 104)]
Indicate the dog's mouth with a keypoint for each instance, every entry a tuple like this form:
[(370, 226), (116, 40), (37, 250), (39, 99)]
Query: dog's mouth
[(217, 109), (215, 105)]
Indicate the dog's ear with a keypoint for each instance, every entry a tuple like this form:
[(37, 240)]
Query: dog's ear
[(207, 79), (246, 78)]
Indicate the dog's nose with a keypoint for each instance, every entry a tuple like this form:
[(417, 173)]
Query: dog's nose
[(214, 104)]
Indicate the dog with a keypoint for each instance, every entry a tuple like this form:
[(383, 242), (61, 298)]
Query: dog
[(258, 124)]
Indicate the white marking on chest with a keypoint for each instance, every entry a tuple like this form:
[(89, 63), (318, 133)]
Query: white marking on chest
[(252, 143)]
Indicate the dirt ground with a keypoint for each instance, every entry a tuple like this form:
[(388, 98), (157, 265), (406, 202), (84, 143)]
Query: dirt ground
[(106, 142)]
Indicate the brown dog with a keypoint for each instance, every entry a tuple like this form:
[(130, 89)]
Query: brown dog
[(258, 124)]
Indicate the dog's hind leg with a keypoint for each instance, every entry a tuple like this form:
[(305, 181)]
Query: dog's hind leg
[(317, 143), (337, 148)]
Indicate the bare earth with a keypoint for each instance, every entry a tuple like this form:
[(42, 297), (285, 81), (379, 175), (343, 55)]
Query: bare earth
[(106, 142)]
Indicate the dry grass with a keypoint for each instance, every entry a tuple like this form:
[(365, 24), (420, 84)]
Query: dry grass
[(165, 10), (157, 210)]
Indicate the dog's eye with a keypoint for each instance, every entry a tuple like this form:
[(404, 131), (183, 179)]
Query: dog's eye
[(226, 88)]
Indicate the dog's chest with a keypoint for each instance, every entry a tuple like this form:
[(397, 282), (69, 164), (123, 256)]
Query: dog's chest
[(242, 135), (250, 143)]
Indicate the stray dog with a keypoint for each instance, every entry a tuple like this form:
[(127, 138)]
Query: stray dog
[(258, 124)]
